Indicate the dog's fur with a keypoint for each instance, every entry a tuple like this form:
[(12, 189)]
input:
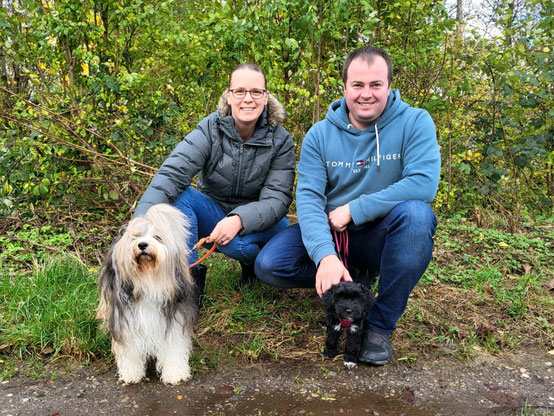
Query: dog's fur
[(349, 302), (147, 296)]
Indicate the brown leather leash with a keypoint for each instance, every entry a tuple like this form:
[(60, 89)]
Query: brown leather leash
[(197, 246)]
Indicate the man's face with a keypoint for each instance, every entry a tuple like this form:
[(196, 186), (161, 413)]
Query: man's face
[(366, 91)]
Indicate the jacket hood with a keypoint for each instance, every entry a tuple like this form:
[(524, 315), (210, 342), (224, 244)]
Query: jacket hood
[(338, 113), (276, 112)]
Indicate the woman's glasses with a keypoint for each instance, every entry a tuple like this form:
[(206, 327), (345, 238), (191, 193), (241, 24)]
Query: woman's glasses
[(241, 93)]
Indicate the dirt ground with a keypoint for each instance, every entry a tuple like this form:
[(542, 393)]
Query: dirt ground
[(485, 385)]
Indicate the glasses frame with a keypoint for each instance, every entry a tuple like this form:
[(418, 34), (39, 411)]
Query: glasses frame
[(233, 91)]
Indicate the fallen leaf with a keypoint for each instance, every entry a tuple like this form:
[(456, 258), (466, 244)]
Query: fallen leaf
[(526, 268), (179, 397), (4, 348), (551, 352), (549, 285), (126, 399), (488, 288), (47, 350), (485, 330), (225, 389), (503, 244)]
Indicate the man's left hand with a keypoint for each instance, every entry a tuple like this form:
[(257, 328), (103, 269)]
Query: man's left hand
[(339, 218)]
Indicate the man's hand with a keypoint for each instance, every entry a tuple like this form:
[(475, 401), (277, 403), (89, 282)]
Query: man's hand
[(329, 272), (339, 218), (225, 230)]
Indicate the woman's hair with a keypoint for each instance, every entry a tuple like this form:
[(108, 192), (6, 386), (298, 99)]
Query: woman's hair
[(252, 67)]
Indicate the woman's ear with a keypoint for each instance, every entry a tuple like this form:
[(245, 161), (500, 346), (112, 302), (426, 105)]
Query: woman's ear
[(228, 94)]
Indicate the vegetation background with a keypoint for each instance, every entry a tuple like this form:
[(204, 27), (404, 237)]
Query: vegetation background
[(94, 95)]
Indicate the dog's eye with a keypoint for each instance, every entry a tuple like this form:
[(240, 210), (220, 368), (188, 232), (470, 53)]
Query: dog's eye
[(157, 237)]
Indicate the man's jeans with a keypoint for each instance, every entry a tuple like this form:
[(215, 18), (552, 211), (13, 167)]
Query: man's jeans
[(204, 213), (397, 247)]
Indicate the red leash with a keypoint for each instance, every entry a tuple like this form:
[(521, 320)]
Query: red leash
[(341, 240), (198, 245)]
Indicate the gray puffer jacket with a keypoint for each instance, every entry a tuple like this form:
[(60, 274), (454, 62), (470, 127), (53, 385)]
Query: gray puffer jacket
[(253, 179)]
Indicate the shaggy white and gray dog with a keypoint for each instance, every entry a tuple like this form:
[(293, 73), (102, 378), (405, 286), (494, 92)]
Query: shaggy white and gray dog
[(147, 296)]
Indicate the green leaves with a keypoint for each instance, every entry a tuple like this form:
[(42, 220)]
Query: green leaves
[(97, 94)]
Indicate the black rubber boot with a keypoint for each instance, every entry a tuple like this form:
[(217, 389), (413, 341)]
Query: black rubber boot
[(199, 277), (247, 277)]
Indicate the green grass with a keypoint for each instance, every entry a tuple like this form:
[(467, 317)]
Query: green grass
[(484, 290), (528, 410), (51, 311)]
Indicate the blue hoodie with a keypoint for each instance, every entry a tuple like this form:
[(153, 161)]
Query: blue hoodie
[(393, 160)]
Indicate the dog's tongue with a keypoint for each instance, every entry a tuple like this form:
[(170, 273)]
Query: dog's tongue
[(344, 323)]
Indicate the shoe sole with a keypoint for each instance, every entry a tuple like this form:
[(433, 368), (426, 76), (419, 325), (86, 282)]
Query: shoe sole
[(376, 363)]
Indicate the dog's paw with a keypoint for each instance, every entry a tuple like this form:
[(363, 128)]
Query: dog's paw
[(131, 378), (329, 355), (131, 372), (175, 377), (349, 364)]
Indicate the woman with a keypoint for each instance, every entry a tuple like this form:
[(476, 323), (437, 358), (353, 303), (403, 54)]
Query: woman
[(245, 164)]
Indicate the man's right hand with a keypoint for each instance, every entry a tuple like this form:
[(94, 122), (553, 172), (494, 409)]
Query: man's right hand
[(329, 272)]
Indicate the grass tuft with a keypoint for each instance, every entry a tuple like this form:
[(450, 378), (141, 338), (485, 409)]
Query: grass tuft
[(51, 311), (485, 290)]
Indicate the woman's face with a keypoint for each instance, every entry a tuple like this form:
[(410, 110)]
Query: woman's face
[(246, 110)]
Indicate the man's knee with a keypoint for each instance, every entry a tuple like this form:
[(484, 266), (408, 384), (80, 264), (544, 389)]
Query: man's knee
[(416, 214)]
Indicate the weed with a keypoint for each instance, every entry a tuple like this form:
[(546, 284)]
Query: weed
[(53, 309), (529, 410), (482, 290), (7, 368)]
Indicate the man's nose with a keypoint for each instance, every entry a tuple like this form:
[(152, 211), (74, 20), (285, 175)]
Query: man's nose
[(366, 91)]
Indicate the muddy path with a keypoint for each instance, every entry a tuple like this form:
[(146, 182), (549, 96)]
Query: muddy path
[(485, 385)]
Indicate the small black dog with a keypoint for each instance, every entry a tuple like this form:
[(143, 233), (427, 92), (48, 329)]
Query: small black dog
[(346, 305)]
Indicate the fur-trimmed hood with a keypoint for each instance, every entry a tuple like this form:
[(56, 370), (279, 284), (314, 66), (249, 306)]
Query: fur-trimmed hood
[(276, 112)]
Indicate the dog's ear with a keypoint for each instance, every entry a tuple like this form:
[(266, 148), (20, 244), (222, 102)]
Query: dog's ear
[(114, 295), (121, 230), (368, 294), (328, 299), (184, 287)]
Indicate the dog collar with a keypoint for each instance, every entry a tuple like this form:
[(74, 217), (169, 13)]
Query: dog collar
[(344, 323)]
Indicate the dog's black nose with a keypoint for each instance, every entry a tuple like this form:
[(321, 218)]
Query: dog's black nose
[(349, 311), (142, 246)]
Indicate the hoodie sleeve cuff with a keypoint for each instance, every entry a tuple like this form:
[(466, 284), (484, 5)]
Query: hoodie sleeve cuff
[(321, 252), (357, 212)]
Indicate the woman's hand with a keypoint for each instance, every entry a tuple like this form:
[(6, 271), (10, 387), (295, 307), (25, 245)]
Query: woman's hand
[(225, 230)]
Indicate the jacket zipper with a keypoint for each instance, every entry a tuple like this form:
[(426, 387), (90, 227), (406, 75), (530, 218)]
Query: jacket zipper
[(241, 157)]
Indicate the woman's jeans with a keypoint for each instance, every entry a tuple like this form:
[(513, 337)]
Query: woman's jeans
[(204, 213), (397, 247)]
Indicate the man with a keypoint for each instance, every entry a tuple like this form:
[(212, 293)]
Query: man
[(366, 176)]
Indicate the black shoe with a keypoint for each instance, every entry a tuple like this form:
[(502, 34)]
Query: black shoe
[(199, 277), (247, 277), (376, 349)]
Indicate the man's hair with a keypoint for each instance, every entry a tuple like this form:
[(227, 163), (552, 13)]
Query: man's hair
[(252, 67), (367, 53)]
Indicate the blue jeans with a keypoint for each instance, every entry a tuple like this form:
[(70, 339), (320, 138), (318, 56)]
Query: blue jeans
[(397, 247), (204, 213)]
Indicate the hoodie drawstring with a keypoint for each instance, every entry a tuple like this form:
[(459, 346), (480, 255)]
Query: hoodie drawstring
[(378, 156)]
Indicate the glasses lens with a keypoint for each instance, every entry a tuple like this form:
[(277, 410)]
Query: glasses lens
[(239, 93), (257, 93)]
